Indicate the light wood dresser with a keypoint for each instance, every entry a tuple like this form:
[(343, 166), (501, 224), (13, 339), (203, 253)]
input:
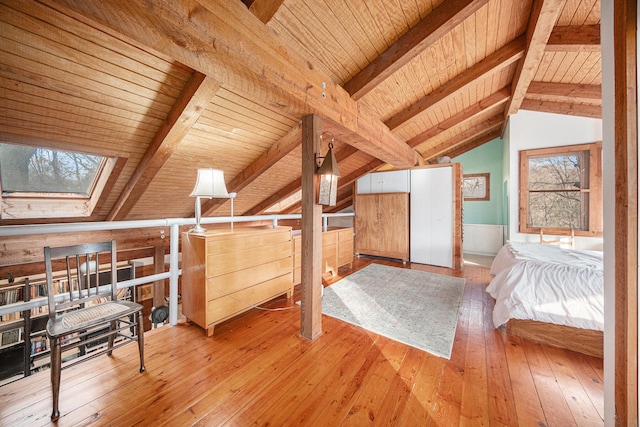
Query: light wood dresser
[(226, 272), (337, 250)]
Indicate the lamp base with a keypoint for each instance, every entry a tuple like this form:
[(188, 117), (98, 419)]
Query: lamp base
[(197, 229)]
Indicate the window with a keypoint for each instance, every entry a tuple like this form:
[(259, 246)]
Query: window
[(41, 182), (561, 189)]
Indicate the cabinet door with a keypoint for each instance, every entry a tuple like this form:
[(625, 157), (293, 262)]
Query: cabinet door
[(432, 216), (395, 181), (394, 224), (366, 222), (385, 182), (377, 182), (364, 184)]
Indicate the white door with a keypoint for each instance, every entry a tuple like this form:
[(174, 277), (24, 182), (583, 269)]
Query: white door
[(431, 216)]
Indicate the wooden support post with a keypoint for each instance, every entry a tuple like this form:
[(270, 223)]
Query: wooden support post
[(158, 285), (625, 41), (311, 299)]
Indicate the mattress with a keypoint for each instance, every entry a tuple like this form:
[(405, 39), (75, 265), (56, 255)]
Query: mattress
[(549, 284)]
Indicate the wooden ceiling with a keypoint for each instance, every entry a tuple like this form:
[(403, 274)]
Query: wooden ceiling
[(168, 87)]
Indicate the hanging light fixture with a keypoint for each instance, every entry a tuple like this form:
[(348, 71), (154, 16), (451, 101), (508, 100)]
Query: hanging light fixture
[(209, 184), (329, 173)]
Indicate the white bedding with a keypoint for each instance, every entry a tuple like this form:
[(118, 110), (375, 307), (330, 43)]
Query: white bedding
[(548, 284)]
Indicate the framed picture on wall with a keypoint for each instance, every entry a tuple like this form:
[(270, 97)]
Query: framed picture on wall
[(475, 186)]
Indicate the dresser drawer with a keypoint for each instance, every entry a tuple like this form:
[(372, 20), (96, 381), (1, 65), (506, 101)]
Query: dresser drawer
[(223, 263), (224, 307), (241, 279), (242, 241)]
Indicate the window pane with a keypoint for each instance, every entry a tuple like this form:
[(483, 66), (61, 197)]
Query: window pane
[(558, 210), (31, 169), (561, 172)]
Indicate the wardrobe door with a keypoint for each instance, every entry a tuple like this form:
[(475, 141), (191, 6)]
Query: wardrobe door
[(366, 223), (393, 228), (431, 216)]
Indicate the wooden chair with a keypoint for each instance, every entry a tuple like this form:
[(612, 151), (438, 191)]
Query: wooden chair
[(84, 309), (567, 243)]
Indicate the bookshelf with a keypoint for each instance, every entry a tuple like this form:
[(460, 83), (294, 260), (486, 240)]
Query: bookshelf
[(24, 346)]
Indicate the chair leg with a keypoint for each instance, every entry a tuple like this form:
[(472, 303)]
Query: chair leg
[(140, 332), (112, 327), (56, 360)]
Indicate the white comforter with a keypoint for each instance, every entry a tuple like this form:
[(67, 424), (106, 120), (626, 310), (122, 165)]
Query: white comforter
[(548, 284)]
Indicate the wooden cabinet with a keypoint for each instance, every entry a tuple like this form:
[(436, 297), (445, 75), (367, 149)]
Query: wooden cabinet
[(226, 272), (337, 250), (382, 225)]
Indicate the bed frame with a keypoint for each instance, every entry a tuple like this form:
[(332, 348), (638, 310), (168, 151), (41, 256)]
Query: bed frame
[(584, 341)]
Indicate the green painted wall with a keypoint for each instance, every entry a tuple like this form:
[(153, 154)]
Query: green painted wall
[(485, 159)]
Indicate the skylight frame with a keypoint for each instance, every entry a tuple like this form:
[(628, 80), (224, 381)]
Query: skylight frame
[(51, 205)]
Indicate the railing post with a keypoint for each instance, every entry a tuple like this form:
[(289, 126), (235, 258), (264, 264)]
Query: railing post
[(173, 279)]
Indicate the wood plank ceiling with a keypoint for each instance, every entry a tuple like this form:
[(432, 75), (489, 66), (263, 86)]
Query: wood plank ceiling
[(169, 87)]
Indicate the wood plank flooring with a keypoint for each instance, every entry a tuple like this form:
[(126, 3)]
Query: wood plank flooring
[(257, 370)]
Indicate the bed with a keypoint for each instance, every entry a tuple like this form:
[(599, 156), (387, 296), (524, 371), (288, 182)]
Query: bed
[(550, 294)]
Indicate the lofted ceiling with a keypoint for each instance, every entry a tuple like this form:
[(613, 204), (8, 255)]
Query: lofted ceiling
[(167, 87)]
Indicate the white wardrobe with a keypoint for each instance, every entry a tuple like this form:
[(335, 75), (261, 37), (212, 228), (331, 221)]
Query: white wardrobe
[(432, 211)]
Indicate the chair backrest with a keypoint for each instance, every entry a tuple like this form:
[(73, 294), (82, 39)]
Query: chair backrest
[(84, 265)]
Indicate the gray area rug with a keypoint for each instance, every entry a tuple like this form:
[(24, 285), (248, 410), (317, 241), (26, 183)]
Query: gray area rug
[(414, 307)]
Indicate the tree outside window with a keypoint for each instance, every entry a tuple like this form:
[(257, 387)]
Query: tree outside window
[(40, 182), (43, 170), (560, 189)]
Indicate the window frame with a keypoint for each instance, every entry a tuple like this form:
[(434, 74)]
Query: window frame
[(44, 205), (595, 223)]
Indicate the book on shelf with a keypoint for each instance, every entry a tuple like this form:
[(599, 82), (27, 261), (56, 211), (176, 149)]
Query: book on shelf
[(39, 345)]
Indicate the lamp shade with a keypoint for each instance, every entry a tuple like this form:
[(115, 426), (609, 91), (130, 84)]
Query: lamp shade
[(329, 164), (210, 183), (329, 173)]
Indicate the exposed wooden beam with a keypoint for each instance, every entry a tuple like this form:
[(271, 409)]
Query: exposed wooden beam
[(498, 60), (274, 154), (192, 102), (567, 108), (566, 90), (344, 203), (468, 113), (544, 14), (368, 130), (343, 181), (223, 40), (584, 38), (283, 193), (437, 23), (311, 241), (295, 185), (265, 9), (483, 138), (438, 149)]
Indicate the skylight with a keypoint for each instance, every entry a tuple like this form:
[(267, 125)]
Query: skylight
[(39, 182), (43, 170)]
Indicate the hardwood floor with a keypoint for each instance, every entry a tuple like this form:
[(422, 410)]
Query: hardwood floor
[(256, 369)]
